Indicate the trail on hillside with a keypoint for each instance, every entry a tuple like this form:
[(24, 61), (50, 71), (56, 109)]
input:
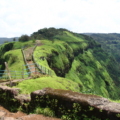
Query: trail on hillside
[(7, 115), (29, 58)]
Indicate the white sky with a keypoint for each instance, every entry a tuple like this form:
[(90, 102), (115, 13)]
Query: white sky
[(19, 17)]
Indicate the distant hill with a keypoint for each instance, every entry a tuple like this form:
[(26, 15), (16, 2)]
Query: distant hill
[(110, 43), (2, 40)]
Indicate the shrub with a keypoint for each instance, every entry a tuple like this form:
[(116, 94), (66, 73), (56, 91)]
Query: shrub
[(48, 112), (24, 38)]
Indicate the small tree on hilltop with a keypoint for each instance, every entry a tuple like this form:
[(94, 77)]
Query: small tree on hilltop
[(24, 38)]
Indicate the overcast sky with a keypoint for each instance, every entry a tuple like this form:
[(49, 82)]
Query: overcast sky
[(19, 17)]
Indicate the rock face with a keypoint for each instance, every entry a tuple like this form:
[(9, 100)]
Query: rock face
[(63, 102), (90, 106), (11, 99)]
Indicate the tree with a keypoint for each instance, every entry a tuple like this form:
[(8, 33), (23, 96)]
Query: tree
[(24, 38)]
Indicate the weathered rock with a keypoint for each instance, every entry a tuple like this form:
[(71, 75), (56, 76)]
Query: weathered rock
[(23, 98), (2, 113), (11, 91), (91, 105), (9, 118), (57, 99), (36, 117)]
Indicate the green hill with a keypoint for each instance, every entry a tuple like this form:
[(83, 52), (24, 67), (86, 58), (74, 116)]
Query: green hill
[(81, 59), (109, 42), (75, 57)]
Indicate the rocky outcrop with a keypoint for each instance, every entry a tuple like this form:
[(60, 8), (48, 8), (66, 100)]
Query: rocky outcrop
[(62, 102), (65, 102), (12, 99), (11, 91)]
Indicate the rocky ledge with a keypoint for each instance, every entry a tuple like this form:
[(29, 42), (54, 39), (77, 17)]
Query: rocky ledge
[(61, 102), (89, 105)]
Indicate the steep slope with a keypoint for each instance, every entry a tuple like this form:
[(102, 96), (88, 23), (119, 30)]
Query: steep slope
[(81, 59), (69, 55), (110, 43)]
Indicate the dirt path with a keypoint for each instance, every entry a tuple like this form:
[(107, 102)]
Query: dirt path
[(29, 58)]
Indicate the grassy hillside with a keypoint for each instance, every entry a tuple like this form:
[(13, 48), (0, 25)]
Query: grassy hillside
[(81, 59), (68, 55), (14, 59), (11, 53), (31, 85), (110, 43)]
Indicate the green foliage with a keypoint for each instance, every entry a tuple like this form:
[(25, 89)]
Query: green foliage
[(48, 112), (24, 38), (57, 56), (45, 111), (15, 61), (45, 33), (118, 115), (110, 43), (39, 110), (31, 85), (81, 59)]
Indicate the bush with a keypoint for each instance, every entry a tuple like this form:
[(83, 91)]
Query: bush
[(49, 112), (24, 38)]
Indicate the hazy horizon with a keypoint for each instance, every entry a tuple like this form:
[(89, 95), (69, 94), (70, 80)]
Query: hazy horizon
[(19, 17)]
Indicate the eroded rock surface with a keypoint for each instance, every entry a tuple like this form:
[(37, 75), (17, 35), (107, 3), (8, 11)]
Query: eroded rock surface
[(62, 102), (90, 105)]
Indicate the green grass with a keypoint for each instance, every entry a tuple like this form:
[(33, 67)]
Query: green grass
[(19, 45), (43, 51), (57, 52), (88, 68), (15, 61), (31, 85), (68, 37), (91, 75)]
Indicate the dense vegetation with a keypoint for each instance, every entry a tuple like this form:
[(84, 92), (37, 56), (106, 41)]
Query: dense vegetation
[(110, 43), (69, 55), (24, 38), (81, 59)]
